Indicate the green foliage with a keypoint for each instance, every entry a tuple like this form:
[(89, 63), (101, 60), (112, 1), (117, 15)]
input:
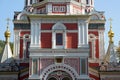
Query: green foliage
[(2, 45)]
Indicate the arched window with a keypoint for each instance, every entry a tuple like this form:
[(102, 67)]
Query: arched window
[(59, 39), (59, 35)]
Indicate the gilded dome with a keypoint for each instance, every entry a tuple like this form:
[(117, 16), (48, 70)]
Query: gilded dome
[(111, 33), (7, 33)]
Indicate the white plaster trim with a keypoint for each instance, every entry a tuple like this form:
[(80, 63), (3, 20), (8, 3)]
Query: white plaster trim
[(92, 40), (36, 55), (16, 44), (50, 69), (101, 44), (58, 28)]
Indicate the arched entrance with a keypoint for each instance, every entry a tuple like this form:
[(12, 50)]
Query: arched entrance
[(66, 78), (59, 70), (52, 78), (59, 75)]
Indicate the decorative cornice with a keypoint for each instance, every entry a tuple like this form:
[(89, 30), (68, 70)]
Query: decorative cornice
[(97, 21), (38, 16), (56, 1), (96, 26), (20, 21)]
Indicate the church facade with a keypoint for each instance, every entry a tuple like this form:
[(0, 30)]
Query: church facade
[(59, 39)]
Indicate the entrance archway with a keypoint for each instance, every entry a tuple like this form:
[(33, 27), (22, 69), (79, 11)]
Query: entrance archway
[(52, 78), (59, 75), (46, 74), (66, 78)]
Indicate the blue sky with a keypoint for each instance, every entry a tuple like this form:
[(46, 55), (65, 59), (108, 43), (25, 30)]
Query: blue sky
[(7, 8)]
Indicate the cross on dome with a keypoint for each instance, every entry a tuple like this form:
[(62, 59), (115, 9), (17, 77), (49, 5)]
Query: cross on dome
[(110, 23), (8, 20)]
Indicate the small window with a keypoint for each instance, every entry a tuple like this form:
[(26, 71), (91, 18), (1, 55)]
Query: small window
[(59, 39)]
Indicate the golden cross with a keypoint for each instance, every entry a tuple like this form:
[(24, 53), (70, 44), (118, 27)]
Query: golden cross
[(8, 19), (110, 22)]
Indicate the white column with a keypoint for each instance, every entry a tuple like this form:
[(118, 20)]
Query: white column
[(83, 34), (101, 44), (16, 44), (86, 33), (33, 31), (53, 39), (32, 25), (38, 33), (28, 3), (65, 40), (79, 34), (35, 35)]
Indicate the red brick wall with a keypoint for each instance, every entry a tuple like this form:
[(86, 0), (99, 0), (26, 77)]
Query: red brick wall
[(24, 32), (97, 48), (72, 40), (21, 48), (71, 62), (96, 43), (46, 40), (94, 32), (47, 26), (71, 26), (93, 64)]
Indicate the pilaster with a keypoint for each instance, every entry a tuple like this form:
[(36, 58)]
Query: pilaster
[(101, 44), (35, 33), (16, 44), (82, 33), (53, 40)]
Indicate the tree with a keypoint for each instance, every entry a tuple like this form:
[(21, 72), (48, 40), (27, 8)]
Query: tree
[(2, 45)]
